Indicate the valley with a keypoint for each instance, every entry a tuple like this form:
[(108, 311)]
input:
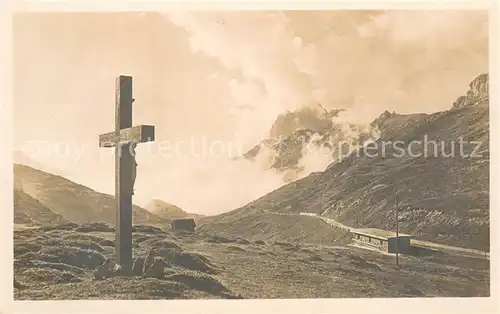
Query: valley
[(293, 242)]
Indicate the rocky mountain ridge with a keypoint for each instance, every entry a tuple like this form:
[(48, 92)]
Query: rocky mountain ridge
[(439, 168), (295, 135)]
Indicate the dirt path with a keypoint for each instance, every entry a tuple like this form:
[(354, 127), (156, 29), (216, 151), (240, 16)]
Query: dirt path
[(23, 227), (453, 249)]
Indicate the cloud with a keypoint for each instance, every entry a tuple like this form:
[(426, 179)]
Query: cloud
[(406, 61), (228, 76), (273, 66), (212, 185), (365, 61)]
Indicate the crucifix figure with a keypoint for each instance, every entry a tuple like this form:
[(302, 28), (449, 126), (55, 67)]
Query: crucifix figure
[(124, 139), (134, 165)]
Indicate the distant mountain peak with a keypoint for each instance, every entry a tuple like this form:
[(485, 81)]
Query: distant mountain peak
[(315, 118), (166, 210)]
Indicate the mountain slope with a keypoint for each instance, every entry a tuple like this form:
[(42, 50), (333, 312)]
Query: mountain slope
[(167, 211), (29, 211), (442, 198), (74, 202)]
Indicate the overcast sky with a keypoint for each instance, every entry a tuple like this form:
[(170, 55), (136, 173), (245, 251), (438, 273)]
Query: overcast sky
[(205, 77)]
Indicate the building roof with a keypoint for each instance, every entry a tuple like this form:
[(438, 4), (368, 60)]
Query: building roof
[(183, 219), (183, 222), (379, 233)]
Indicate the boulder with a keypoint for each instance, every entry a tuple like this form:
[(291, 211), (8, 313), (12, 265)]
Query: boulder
[(157, 269), (148, 262), (137, 268)]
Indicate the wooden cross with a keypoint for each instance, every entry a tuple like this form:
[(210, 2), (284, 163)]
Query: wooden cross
[(124, 139)]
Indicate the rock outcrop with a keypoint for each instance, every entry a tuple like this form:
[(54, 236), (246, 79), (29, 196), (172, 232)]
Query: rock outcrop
[(477, 94), (316, 119)]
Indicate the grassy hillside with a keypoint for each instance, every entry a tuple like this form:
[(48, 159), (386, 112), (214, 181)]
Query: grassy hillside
[(76, 262), (74, 202), (270, 226), (28, 211)]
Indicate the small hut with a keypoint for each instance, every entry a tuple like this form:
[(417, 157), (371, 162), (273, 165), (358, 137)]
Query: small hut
[(183, 224), (383, 240)]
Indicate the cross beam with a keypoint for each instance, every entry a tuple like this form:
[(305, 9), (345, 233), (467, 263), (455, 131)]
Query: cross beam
[(137, 134), (124, 139)]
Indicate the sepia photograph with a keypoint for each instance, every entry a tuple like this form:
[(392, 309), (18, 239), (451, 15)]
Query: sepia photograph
[(272, 154)]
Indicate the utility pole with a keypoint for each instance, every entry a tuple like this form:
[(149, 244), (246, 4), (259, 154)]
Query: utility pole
[(397, 230), (357, 214), (363, 212)]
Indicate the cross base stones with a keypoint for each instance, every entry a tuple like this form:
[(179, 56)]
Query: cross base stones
[(149, 267)]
